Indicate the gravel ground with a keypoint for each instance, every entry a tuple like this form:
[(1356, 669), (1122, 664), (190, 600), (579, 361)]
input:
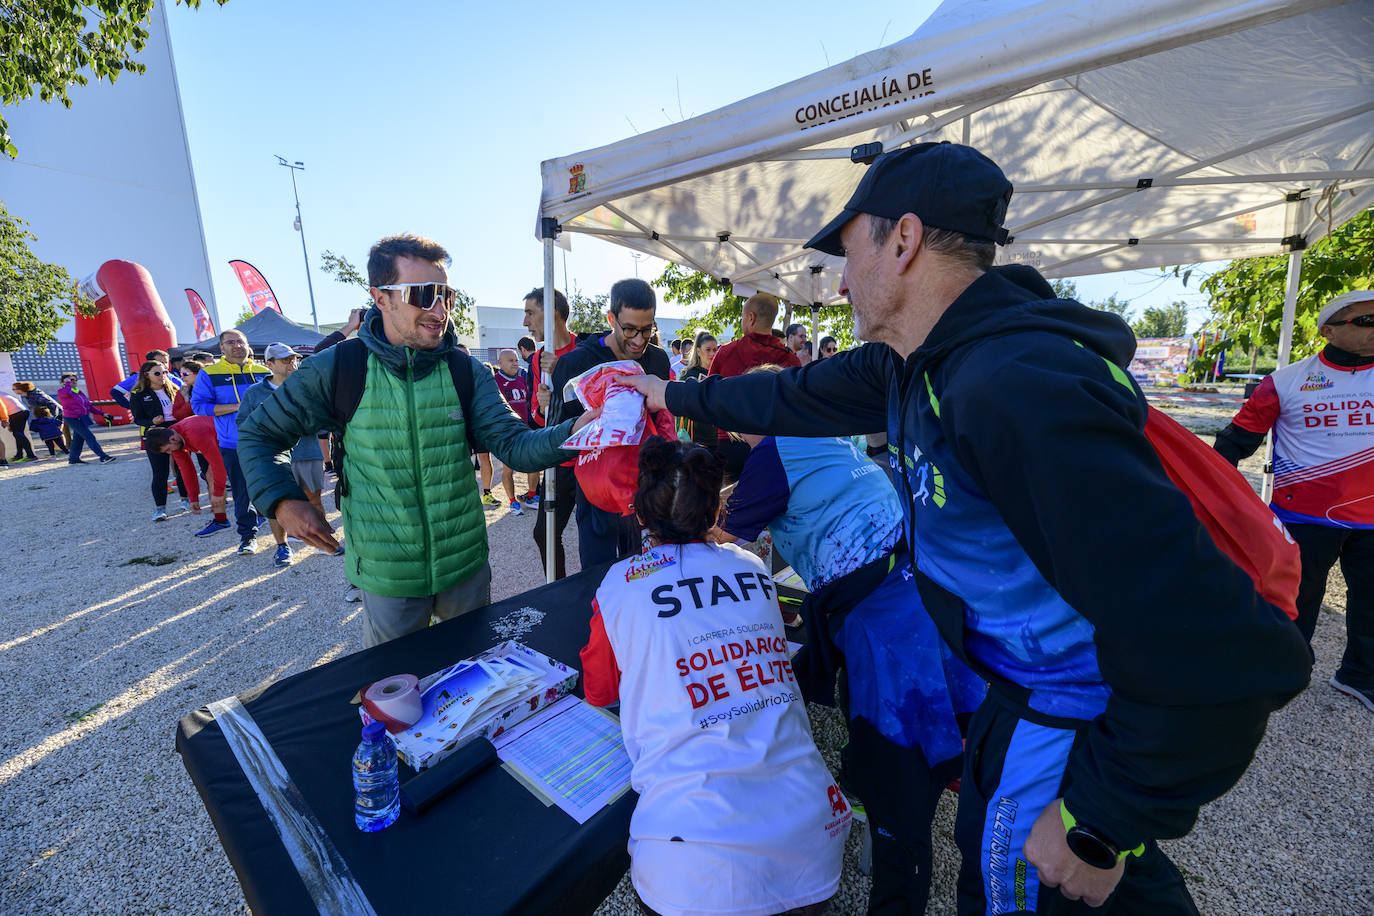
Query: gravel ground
[(116, 626)]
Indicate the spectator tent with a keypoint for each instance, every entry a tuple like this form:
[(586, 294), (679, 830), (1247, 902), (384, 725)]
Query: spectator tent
[(1136, 136), (268, 327)]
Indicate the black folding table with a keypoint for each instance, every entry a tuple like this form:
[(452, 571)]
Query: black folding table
[(286, 817)]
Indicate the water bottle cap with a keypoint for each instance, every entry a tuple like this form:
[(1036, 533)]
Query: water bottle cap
[(373, 731)]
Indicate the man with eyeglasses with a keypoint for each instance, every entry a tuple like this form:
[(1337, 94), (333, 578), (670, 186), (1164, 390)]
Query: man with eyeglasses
[(1132, 664), (219, 389), (417, 538), (796, 342), (601, 535), (1321, 410)]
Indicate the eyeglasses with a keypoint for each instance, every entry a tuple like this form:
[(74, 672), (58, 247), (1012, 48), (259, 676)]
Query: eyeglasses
[(631, 333), (1359, 321), (157, 372), (829, 351), (424, 296)]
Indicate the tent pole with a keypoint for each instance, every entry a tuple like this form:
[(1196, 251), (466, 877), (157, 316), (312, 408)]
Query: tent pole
[(1290, 308), (549, 500)]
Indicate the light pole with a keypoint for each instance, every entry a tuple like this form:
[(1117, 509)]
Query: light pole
[(300, 167)]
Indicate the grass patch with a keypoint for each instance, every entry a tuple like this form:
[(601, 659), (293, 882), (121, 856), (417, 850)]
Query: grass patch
[(161, 559)]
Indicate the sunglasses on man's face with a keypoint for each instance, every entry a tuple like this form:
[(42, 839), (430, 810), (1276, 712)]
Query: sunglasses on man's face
[(1359, 321), (425, 296)]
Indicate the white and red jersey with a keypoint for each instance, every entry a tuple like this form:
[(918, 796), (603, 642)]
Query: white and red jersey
[(737, 812), (1323, 421)]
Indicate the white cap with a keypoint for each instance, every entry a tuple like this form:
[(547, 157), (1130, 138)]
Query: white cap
[(1341, 301), (278, 351)]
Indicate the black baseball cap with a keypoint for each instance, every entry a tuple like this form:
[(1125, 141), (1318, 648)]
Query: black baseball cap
[(947, 185)]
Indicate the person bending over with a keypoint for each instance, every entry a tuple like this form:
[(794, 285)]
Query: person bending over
[(737, 812)]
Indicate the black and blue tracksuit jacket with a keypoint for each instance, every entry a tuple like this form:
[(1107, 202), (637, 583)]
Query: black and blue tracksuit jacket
[(1051, 549)]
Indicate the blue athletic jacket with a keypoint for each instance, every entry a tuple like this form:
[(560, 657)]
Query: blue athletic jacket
[(1051, 549)]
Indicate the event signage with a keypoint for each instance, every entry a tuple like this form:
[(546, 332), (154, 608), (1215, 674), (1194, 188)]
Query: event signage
[(1162, 360), (205, 328), (255, 287), (881, 93)]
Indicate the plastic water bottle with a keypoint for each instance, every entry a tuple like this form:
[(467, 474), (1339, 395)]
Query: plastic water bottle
[(377, 798)]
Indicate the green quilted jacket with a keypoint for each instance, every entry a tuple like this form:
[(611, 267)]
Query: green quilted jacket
[(412, 513)]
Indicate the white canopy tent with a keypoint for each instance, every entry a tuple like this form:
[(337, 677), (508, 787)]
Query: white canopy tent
[(1135, 136)]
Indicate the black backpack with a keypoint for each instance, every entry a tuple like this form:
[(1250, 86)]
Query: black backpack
[(350, 378)]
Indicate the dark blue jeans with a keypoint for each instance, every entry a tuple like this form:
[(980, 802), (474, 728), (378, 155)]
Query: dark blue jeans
[(245, 516), (82, 433)]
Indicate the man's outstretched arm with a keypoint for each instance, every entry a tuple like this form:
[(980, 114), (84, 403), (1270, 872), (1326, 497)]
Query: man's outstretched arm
[(845, 395)]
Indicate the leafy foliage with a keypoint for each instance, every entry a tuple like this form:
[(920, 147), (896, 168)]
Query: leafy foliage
[(35, 297), (1169, 321), (244, 314), (47, 46), (689, 287), (464, 314), (587, 314), (1247, 295)]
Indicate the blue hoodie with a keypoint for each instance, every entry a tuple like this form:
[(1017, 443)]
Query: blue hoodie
[(1052, 550)]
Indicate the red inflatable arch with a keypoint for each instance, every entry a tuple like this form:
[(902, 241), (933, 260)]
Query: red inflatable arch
[(131, 297)]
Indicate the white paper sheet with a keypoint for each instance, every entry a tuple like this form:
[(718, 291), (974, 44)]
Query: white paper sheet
[(572, 752)]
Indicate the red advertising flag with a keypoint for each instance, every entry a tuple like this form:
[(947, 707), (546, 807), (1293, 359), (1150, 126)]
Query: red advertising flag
[(205, 328), (255, 287)]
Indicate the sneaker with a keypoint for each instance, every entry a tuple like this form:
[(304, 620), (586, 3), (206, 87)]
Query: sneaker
[(248, 546), (106, 459), (530, 501), (69, 460), (353, 594), (185, 505), (1364, 694), (282, 557), (339, 551), (161, 514), (516, 508), (22, 460), (489, 500), (212, 528)]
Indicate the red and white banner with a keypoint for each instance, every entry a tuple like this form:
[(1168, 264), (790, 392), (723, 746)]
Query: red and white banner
[(205, 328), (255, 287)]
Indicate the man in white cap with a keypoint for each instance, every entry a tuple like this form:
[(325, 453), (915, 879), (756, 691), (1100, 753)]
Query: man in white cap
[(307, 460), (1322, 412)]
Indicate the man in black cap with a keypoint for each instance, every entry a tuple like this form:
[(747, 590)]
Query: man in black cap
[(1132, 665)]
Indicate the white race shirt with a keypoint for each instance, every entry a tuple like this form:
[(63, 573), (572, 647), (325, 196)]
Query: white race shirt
[(737, 812)]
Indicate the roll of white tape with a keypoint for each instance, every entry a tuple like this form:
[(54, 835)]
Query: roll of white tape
[(394, 701)]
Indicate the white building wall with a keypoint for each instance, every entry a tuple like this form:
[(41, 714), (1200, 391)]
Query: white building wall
[(111, 178)]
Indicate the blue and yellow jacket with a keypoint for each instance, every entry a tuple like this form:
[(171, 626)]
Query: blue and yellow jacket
[(222, 382), (1051, 549)]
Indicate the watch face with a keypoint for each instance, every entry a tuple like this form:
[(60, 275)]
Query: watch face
[(1091, 848)]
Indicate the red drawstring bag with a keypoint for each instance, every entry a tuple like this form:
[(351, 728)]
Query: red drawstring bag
[(1242, 526), (608, 467)]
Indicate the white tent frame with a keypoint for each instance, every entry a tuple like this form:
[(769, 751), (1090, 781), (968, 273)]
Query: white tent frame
[(1012, 58)]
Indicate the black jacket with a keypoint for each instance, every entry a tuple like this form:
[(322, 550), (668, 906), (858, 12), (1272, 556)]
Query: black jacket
[(144, 405), (1045, 528), (592, 351)]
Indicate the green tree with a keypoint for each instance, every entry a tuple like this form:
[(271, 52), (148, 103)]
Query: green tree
[(47, 46), (1169, 321), (244, 314), (35, 297), (689, 287), (1246, 296), (587, 314), (464, 312)]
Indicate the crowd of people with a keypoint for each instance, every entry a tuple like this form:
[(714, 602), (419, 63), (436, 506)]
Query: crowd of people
[(1006, 589)]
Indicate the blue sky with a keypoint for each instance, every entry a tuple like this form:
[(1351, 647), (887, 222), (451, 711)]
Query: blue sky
[(433, 118)]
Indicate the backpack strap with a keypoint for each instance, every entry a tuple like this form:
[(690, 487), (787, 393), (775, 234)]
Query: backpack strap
[(350, 377), (460, 368)]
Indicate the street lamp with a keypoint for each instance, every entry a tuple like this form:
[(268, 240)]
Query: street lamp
[(300, 167)]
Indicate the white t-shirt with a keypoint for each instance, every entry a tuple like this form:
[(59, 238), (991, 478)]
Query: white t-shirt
[(737, 812), (165, 401)]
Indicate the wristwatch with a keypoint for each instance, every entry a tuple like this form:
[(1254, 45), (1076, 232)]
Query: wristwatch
[(1091, 846)]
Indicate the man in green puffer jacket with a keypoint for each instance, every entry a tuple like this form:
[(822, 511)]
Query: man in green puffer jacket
[(417, 535)]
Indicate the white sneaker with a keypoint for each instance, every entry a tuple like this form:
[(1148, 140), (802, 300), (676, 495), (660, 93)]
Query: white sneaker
[(185, 505), (353, 594), (160, 515)]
